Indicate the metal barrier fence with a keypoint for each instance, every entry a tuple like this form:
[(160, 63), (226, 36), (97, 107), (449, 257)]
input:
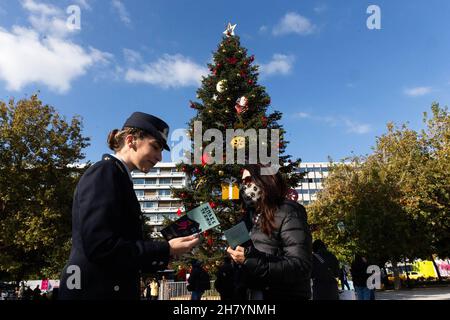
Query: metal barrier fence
[(171, 290)]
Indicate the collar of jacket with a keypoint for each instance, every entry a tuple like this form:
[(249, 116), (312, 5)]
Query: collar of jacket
[(119, 163)]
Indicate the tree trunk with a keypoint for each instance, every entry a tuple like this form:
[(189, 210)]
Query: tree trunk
[(397, 283), (437, 269)]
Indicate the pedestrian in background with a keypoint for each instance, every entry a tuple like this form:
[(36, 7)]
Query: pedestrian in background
[(359, 276), (198, 281), (324, 273)]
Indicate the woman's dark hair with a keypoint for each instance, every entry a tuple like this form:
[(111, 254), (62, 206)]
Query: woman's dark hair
[(273, 193), (116, 138)]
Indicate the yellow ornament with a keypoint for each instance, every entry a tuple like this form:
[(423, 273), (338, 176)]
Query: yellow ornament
[(238, 142), (221, 173), (221, 86)]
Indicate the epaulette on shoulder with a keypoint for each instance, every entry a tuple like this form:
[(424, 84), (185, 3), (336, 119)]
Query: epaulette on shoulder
[(107, 157)]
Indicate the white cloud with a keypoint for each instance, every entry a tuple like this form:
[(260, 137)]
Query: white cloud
[(122, 11), (55, 62), (293, 23), (131, 56), (280, 64), (301, 115), (43, 54), (40, 8), (337, 121), (320, 9), (83, 4), (263, 29), (168, 71), (47, 19), (359, 128), (417, 91)]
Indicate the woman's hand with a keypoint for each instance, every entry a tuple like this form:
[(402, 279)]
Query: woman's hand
[(179, 246), (237, 255)]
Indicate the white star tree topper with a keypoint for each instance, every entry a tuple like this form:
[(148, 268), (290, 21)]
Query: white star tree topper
[(230, 30)]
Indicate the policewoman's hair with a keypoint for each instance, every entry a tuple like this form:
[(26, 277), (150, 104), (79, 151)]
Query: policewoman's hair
[(116, 138), (274, 190)]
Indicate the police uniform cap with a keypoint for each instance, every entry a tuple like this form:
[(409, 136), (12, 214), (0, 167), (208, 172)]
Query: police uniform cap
[(150, 124)]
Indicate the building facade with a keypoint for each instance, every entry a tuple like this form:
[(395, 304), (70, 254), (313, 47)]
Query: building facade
[(153, 190), (312, 182)]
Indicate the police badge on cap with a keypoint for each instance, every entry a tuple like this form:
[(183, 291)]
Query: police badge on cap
[(151, 124)]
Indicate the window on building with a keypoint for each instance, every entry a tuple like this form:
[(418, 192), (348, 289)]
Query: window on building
[(174, 170), (177, 181), (164, 204), (149, 204), (150, 193), (164, 192), (138, 181), (165, 181), (165, 170), (150, 181), (139, 193), (154, 170)]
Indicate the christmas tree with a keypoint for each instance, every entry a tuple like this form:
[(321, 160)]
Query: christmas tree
[(229, 98)]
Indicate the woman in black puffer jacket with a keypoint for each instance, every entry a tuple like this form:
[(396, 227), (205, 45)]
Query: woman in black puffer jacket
[(277, 265)]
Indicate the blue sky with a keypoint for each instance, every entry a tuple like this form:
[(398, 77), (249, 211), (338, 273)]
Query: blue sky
[(336, 82)]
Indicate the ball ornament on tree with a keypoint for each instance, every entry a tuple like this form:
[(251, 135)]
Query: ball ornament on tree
[(238, 142), (221, 86)]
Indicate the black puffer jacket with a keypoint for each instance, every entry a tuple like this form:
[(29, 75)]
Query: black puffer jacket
[(280, 265)]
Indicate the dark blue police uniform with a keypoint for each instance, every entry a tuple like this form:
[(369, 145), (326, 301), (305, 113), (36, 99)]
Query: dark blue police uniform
[(107, 237)]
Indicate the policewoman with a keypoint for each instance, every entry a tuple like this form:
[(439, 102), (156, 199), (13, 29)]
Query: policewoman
[(108, 247)]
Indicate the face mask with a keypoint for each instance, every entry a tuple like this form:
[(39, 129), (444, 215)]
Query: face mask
[(251, 193)]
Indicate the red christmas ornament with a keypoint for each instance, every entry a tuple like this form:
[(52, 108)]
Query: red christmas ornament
[(205, 158), (292, 194), (210, 241), (205, 233), (179, 212), (212, 205), (183, 195), (218, 65), (252, 58), (197, 171), (243, 74), (232, 60), (184, 169), (250, 81), (264, 121)]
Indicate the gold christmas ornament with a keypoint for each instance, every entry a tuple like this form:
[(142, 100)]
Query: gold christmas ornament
[(238, 142), (221, 173), (221, 86)]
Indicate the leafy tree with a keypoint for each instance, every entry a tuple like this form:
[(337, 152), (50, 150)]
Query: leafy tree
[(39, 150), (394, 203)]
